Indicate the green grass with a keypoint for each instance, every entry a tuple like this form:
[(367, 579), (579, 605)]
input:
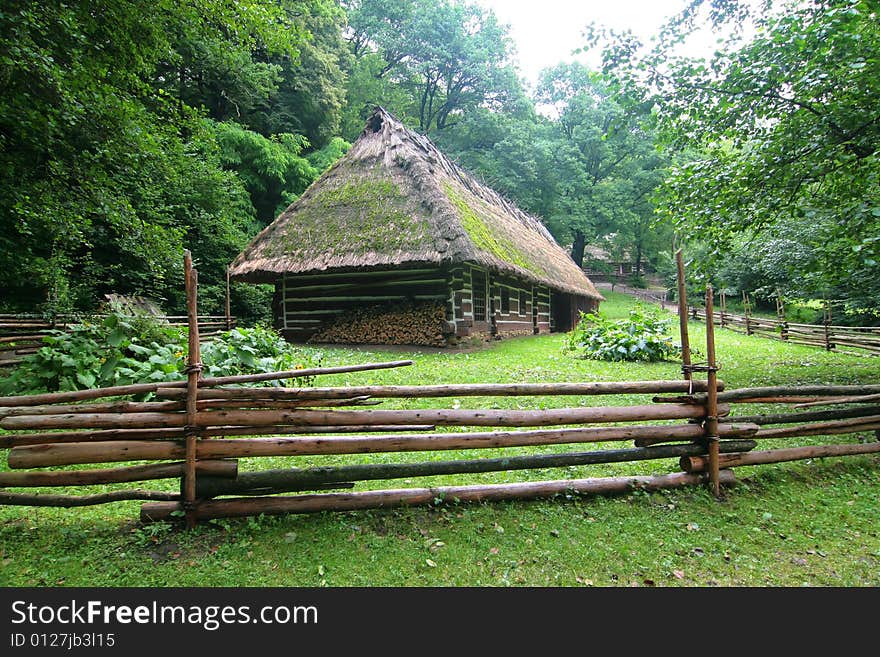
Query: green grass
[(807, 523)]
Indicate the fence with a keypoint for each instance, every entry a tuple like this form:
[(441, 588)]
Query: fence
[(186, 433), (21, 335), (826, 335)]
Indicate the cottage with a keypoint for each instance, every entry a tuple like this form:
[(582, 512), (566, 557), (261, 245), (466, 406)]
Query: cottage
[(396, 244)]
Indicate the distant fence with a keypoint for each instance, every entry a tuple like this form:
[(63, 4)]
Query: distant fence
[(21, 335), (830, 337), (652, 296)]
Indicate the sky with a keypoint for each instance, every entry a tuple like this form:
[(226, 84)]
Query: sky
[(547, 31)]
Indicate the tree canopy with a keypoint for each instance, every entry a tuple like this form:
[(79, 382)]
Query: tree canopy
[(131, 130)]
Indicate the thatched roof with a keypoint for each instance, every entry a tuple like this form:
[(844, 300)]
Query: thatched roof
[(395, 200)]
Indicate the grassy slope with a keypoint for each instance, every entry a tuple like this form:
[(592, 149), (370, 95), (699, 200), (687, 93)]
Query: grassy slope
[(789, 524)]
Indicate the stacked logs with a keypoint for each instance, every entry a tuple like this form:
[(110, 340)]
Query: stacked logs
[(412, 323)]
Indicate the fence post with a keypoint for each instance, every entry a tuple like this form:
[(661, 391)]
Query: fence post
[(228, 311), (193, 374), (683, 319), (723, 307), (826, 322), (711, 425), (747, 309)]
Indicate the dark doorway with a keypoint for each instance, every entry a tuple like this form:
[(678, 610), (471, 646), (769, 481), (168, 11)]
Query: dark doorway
[(561, 312)]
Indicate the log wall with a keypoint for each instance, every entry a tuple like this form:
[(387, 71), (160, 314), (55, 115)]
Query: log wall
[(318, 307)]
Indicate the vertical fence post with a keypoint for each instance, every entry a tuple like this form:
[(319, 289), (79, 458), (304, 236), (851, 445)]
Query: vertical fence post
[(228, 305), (826, 322), (747, 310), (711, 425), (193, 374), (683, 319), (723, 307)]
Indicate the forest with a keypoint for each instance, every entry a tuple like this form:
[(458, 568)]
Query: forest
[(132, 130)]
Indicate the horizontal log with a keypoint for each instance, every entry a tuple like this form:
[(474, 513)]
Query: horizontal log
[(234, 507), (855, 425), (216, 469), (454, 390), (860, 399), (153, 407), (439, 417), (68, 501), (788, 399), (140, 388), (105, 407), (783, 391), (102, 435), (808, 416), (700, 463), (725, 430), (33, 456), (22, 338), (277, 481)]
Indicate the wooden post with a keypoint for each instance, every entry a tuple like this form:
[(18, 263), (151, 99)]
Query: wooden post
[(826, 322), (228, 305), (723, 308), (711, 425), (194, 371), (683, 319), (747, 310)]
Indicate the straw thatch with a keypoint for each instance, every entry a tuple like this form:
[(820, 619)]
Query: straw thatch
[(395, 200)]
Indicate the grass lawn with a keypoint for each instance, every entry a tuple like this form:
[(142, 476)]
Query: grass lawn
[(806, 523)]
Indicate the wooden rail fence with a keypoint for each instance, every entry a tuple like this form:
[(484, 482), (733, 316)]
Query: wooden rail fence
[(21, 335), (200, 429), (828, 336)]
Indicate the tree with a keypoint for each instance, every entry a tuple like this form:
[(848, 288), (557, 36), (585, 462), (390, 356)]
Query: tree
[(447, 56), (782, 129), (607, 161), (114, 171)]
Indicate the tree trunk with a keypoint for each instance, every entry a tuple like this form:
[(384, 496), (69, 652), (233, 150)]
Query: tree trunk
[(578, 246)]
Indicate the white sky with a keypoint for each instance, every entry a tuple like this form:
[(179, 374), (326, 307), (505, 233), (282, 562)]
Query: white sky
[(547, 31)]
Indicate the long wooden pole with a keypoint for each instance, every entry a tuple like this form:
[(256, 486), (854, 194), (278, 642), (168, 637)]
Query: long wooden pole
[(235, 507), (809, 416), (214, 468), (266, 482), (711, 423), (193, 374), (435, 416), (140, 388), (699, 463), (780, 391), (854, 425), (67, 501), (453, 390), (11, 440), (34, 456), (683, 320)]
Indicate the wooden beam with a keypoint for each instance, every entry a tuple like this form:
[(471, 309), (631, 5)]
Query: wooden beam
[(438, 417), (235, 507), (276, 481), (34, 456)]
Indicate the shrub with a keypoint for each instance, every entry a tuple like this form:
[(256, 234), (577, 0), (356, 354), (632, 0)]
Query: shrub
[(640, 337), (121, 349)]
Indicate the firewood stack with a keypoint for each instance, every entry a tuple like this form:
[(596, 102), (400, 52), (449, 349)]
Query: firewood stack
[(413, 323)]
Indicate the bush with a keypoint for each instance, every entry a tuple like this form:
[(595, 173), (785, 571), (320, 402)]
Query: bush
[(121, 349), (640, 337)]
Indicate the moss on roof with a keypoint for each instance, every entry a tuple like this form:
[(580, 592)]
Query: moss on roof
[(487, 237)]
